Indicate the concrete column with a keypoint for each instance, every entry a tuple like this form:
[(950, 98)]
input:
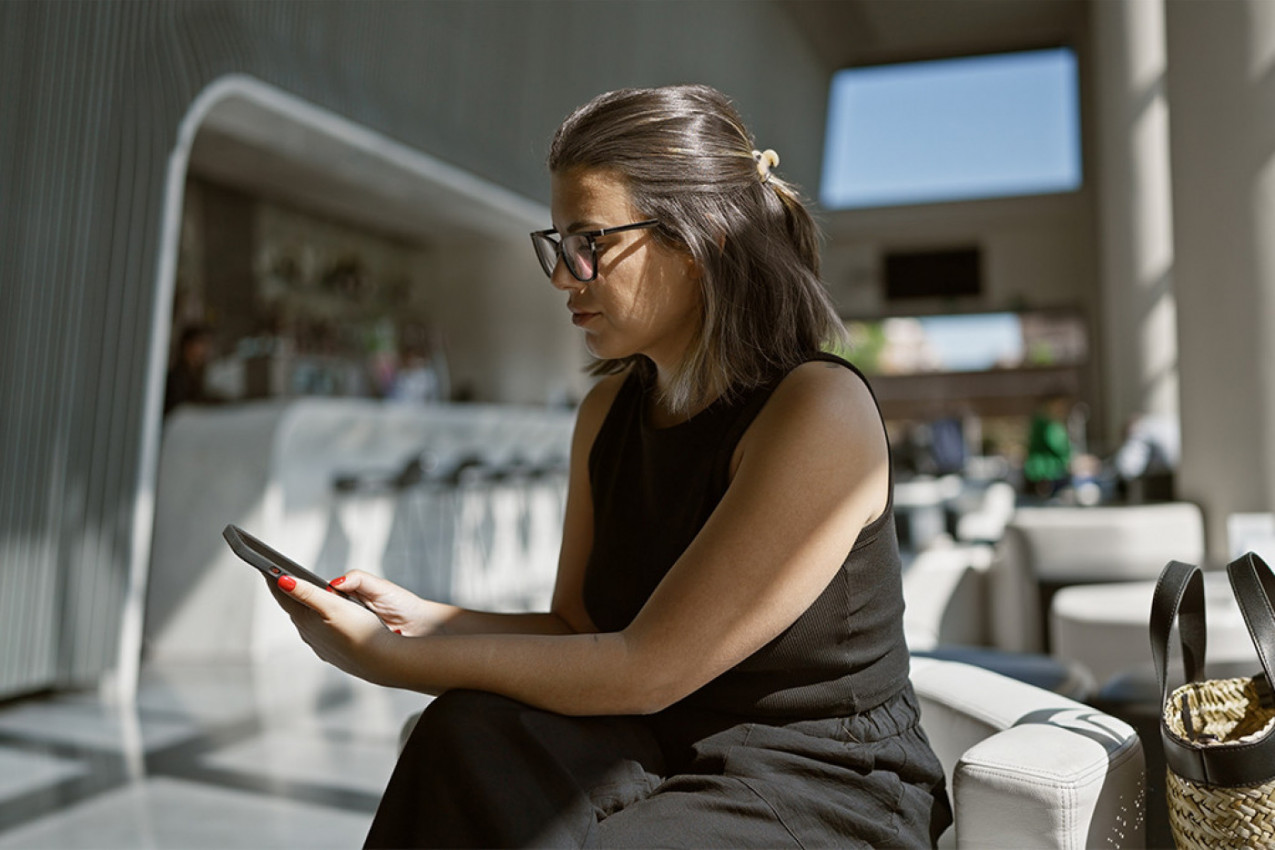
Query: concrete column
[(1221, 83), (1139, 324)]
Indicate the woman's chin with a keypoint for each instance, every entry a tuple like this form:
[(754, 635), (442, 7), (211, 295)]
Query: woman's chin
[(597, 347)]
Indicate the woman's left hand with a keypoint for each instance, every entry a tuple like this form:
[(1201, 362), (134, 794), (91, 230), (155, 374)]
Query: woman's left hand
[(341, 632)]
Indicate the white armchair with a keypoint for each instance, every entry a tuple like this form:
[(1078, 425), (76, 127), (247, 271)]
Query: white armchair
[(1028, 768), (945, 591), (1047, 548)]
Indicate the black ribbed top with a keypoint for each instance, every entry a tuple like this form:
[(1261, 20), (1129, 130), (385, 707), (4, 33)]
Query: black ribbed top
[(653, 490)]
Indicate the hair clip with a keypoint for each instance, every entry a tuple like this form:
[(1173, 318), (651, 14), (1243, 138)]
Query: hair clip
[(766, 160)]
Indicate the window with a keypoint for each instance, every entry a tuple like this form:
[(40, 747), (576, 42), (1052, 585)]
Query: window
[(954, 129), (976, 342)]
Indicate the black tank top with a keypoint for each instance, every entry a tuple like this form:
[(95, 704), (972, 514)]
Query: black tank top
[(653, 490)]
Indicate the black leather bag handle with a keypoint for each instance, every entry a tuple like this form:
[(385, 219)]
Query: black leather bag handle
[(1254, 589), (1180, 595)]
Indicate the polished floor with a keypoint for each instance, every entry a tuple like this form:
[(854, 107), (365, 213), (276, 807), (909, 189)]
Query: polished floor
[(282, 755)]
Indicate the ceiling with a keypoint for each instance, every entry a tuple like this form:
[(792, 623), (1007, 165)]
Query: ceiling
[(844, 33), (293, 153), (278, 147)]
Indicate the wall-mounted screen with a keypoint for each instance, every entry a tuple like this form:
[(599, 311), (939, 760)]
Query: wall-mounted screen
[(953, 129), (946, 273)]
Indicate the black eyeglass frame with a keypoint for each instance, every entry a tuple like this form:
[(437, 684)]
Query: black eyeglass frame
[(592, 236)]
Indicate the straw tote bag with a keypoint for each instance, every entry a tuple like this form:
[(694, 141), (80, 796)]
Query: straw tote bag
[(1218, 734)]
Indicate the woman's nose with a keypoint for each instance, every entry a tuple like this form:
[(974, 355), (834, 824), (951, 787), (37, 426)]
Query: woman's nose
[(562, 278)]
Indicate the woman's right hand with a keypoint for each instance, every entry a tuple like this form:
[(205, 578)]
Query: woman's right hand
[(399, 609)]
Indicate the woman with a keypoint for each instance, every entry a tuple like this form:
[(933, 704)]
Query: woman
[(723, 662)]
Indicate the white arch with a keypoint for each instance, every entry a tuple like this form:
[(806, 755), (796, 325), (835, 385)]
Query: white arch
[(266, 117)]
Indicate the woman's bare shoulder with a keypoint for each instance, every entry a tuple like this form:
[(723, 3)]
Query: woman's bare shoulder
[(824, 389), (599, 397), (823, 406), (597, 402)]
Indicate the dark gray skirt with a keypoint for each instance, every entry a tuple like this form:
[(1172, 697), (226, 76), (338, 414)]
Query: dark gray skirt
[(485, 771)]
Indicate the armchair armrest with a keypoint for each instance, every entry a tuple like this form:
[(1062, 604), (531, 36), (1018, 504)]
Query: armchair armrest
[(1030, 768)]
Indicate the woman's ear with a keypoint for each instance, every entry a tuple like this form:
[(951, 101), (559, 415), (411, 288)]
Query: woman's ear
[(720, 236), (693, 270)]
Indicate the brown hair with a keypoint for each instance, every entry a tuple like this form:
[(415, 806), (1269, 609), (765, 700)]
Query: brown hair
[(688, 161)]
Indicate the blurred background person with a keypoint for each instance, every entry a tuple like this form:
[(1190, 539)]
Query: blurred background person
[(1047, 467), (185, 383)]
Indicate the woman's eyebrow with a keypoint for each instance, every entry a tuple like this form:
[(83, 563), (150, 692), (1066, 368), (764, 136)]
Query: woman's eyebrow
[(576, 226)]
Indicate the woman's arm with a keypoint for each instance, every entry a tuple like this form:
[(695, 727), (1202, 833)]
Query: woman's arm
[(577, 524), (810, 472), (405, 613)]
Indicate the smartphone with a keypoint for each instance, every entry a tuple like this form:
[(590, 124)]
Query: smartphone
[(273, 563)]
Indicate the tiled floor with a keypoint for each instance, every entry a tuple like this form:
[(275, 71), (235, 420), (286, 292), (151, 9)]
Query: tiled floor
[(293, 754)]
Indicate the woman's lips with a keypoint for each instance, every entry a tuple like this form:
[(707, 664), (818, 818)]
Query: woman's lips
[(579, 318)]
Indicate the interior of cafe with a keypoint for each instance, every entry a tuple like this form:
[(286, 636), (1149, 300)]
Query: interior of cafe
[(266, 265)]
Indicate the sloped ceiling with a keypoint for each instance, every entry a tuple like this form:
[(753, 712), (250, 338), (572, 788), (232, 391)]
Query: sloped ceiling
[(843, 33)]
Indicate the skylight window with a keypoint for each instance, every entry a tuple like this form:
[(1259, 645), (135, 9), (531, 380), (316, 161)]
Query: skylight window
[(953, 129)]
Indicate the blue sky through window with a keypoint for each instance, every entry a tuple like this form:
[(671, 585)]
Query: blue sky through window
[(978, 127), (974, 342)]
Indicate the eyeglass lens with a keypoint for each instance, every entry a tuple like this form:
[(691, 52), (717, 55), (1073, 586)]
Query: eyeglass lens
[(546, 252), (577, 251)]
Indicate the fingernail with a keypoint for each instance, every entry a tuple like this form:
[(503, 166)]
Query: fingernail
[(398, 631), (287, 583), (338, 581)]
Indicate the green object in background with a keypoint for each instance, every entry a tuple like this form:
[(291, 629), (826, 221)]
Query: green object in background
[(1048, 449), (864, 346)]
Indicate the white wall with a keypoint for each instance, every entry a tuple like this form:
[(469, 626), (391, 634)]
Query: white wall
[(1135, 211), (1037, 251), (507, 331), (1221, 83)]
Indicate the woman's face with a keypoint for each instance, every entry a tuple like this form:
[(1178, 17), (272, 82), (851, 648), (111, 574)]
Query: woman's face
[(646, 298)]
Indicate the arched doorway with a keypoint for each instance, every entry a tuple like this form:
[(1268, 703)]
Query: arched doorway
[(253, 135)]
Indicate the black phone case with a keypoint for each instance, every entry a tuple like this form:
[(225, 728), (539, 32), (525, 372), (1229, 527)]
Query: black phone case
[(273, 563)]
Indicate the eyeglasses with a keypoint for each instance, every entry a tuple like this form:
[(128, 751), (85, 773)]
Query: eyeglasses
[(578, 250)]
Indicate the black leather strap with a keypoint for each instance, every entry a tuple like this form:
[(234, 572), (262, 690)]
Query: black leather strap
[(1254, 589), (1178, 594), (1227, 765)]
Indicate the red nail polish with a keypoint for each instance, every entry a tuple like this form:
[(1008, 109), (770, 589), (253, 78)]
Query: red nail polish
[(338, 581), (287, 583), (398, 631)]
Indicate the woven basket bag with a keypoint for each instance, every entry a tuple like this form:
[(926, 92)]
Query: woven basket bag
[(1218, 734)]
